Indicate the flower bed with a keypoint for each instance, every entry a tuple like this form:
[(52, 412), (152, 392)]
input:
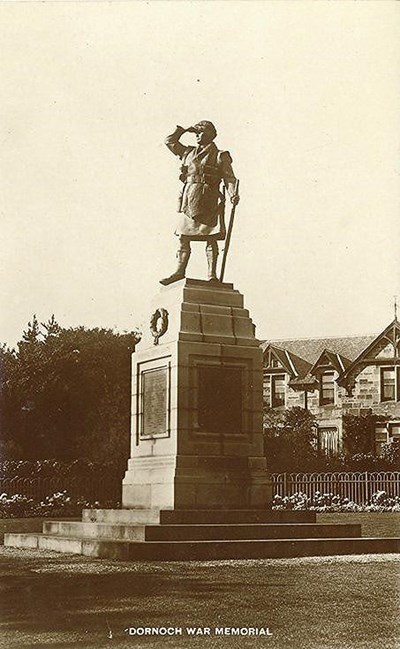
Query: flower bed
[(58, 504), (327, 502)]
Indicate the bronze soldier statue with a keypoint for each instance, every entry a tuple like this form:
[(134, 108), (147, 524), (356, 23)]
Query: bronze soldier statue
[(201, 203)]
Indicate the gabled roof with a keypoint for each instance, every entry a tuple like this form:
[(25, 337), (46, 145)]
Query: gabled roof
[(310, 349), (336, 360), (295, 365), (302, 366), (346, 354), (390, 334), (281, 356)]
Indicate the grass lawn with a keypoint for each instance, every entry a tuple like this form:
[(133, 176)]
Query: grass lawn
[(65, 601), (375, 524)]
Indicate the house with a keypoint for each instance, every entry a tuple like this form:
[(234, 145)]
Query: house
[(332, 377)]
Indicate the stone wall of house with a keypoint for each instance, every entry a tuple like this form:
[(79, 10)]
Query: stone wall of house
[(294, 398), (367, 396)]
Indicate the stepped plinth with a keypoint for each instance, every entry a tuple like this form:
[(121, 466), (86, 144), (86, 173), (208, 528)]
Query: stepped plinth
[(201, 535), (197, 404)]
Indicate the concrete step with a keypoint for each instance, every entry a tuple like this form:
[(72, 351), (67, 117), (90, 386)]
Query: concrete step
[(121, 516), (198, 532), (250, 531), (204, 550), (45, 542), (228, 516), (194, 517), (21, 540), (122, 532)]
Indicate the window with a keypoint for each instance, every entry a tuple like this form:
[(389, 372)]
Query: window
[(328, 439), (394, 431), (385, 433), (278, 388), (390, 384), (327, 389), (267, 389), (381, 438), (275, 390)]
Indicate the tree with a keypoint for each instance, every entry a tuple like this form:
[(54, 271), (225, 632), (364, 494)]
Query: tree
[(32, 333), (290, 440), (52, 327), (7, 447), (65, 394)]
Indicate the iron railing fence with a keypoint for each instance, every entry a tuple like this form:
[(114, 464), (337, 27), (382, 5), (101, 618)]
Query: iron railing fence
[(358, 487), (89, 488)]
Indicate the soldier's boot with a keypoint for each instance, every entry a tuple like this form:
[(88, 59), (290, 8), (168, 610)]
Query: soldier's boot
[(182, 256), (212, 258)]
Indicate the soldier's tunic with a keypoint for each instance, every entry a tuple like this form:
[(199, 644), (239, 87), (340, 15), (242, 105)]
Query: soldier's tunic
[(201, 203)]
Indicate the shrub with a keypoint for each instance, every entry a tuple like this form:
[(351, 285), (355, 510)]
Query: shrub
[(358, 433), (54, 468), (290, 440), (391, 453)]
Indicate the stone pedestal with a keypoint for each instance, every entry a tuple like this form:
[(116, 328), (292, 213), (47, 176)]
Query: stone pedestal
[(197, 405)]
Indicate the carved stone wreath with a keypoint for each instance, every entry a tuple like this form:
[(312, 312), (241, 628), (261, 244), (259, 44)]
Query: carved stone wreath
[(159, 324)]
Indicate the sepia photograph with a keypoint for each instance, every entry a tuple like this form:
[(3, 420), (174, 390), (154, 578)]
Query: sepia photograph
[(200, 324)]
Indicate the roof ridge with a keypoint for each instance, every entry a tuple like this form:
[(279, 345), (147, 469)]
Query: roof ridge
[(277, 340)]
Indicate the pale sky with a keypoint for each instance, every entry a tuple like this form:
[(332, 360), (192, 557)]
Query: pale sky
[(305, 96)]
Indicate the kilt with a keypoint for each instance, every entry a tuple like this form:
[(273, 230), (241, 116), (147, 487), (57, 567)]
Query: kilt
[(197, 231)]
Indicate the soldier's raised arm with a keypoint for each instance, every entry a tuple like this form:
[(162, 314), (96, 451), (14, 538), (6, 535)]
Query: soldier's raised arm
[(172, 141)]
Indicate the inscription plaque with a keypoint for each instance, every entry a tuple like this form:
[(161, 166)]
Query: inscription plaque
[(155, 402), (220, 399)]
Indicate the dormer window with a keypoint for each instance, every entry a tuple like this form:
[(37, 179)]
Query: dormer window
[(390, 384), (327, 389), (275, 395)]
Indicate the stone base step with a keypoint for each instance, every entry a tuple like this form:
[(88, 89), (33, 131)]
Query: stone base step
[(194, 517), (204, 550), (215, 532), (121, 532), (122, 516), (231, 516)]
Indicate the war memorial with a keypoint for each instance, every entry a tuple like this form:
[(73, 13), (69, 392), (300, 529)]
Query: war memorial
[(197, 484)]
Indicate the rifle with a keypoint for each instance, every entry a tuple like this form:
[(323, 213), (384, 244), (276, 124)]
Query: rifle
[(229, 234)]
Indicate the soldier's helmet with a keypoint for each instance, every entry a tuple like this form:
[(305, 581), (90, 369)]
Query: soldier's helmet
[(204, 125)]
